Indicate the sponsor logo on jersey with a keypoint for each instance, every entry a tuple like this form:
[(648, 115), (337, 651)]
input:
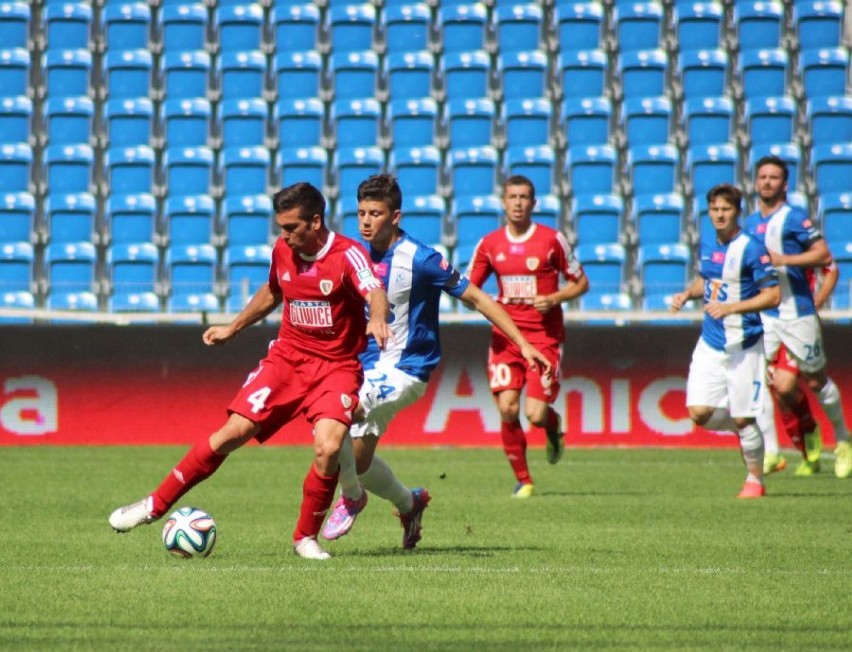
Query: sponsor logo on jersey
[(366, 274), (807, 223), (286, 276), (444, 263), (326, 286), (718, 257), (518, 287), (516, 249), (346, 400), (765, 259), (761, 228), (532, 264), (311, 314), (380, 269), (307, 269), (501, 257)]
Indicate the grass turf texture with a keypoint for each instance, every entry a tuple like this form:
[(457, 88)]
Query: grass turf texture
[(619, 549)]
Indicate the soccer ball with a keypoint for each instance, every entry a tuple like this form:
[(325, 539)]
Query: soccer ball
[(189, 532)]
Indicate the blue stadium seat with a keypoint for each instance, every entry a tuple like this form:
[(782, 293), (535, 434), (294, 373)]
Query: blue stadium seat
[(536, 162), (128, 122), (242, 74), (130, 170), (824, 71), (658, 218), (14, 71), (185, 74), (412, 122), (351, 27), (298, 73), (17, 217), (698, 25), (183, 26), (527, 121), (470, 122), (605, 302), (523, 74), (461, 258), (842, 298), (638, 25), (700, 219), (409, 74), (126, 26), (653, 168), (466, 74), (189, 219), (15, 24), (518, 27), (131, 218), (770, 119), (663, 268), (548, 211), (759, 24), (128, 73), (243, 122), (830, 119), (472, 170), (587, 120), (582, 73), (69, 168), (70, 218), (346, 217), (423, 217), (406, 27), (299, 123), (16, 162), (66, 73), (643, 73), (75, 301), (16, 267), (788, 152), (579, 25), (240, 27), (354, 164), (245, 170), (417, 169), (16, 116), (473, 216), (188, 170), (463, 26), (354, 74), (134, 302), (67, 25), (246, 268), (247, 219), (708, 120), (132, 268), (590, 169), (191, 268), (647, 120), (201, 302), (710, 165), (296, 27), (831, 166), (835, 216), (703, 73), (356, 122), (598, 218), (604, 265), (186, 122), (70, 267), (819, 23), (294, 164), (764, 73)]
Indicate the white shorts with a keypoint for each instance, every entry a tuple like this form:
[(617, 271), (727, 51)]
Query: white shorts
[(385, 392), (802, 336), (733, 380)]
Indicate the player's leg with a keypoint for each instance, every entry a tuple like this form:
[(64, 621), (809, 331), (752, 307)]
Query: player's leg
[(828, 394), (746, 381), (514, 440), (542, 390), (353, 497), (773, 461)]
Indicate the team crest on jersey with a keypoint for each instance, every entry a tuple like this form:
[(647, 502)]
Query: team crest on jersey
[(346, 400), (532, 264), (326, 286)]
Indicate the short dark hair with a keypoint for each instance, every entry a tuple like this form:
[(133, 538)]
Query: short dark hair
[(776, 161), (726, 191), (383, 188), (300, 195), (519, 180)]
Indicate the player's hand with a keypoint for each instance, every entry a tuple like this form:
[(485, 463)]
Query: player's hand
[(717, 310), (536, 359), (543, 303), (776, 259), (678, 300), (217, 335), (380, 330)]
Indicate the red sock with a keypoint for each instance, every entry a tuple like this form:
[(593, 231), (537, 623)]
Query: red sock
[(515, 447), (802, 409), (197, 465), (551, 421), (792, 427), (317, 496)]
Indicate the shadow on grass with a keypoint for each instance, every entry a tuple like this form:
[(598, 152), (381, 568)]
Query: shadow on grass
[(433, 551)]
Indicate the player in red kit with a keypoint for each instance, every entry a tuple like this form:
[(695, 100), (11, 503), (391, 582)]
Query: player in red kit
[(323, 280), (528, 259)]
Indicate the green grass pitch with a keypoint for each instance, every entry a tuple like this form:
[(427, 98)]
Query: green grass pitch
[(619, 549)]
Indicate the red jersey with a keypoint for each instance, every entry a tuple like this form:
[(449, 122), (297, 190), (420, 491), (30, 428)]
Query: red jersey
[(816, 275), (527, 266), (323, 312)]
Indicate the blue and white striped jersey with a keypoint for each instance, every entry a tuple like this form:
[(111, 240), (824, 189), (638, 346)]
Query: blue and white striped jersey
[(734, 272), (788, 230), (414, 275)]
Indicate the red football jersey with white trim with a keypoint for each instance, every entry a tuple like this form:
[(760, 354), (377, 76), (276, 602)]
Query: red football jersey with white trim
[(527, 266), (323, 310)]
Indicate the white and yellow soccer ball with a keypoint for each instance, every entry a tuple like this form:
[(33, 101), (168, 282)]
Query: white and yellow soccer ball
[(189, 532)]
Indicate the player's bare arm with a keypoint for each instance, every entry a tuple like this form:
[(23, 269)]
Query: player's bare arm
[(768, 297), (694, 291), (829, 282), (261, 304), (817, 255), (377, 325), (543, 303)]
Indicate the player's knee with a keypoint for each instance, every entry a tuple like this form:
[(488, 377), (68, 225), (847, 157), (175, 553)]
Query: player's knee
[(700, 414), (816, 381)]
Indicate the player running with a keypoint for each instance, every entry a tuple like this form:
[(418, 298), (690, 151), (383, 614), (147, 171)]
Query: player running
[(312, 368), (725, 387)]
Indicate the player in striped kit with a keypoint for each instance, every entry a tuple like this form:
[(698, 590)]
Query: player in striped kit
[(727, 374), (795, 246)]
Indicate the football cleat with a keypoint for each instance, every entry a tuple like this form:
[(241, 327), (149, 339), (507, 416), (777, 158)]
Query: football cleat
[(843, 460), (411, 521), (555, 442), (752, 490), (773, 463), (807, 469), (523, 490), (813, 444), (343, 516), (126, 518), (308, 548)]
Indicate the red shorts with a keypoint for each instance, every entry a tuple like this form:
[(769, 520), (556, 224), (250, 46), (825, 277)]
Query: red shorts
[(507, 369), (784, 361), (288, 383)]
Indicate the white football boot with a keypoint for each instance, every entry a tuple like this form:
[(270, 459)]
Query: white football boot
[(310, 549), (126, 518)]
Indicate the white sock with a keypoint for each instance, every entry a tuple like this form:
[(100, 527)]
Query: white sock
[(380, 480), (721, 420), (829, 398), (766, 423), (751, 443), (348, 479)]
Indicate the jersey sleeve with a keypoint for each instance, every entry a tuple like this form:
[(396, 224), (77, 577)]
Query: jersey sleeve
[(438, 272), (273, 282), (479, 268), (358, 271), (762, 270), (803, 229), (566, 262)]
